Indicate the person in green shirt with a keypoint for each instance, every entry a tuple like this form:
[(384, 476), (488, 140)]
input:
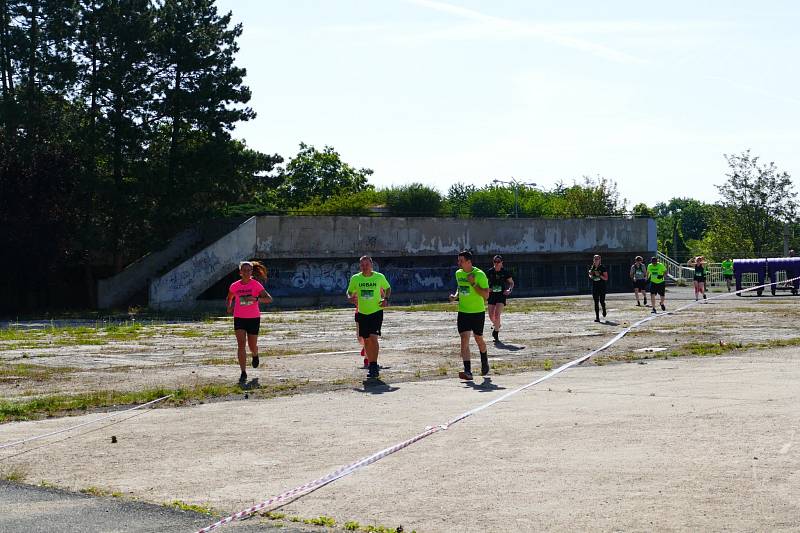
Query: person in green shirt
[(727, 272), (656, 274), (370, 291), (471, 292)]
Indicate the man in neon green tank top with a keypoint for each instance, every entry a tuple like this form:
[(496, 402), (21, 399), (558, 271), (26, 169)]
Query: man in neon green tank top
[(370, 291), (471, 292), (656, 273)]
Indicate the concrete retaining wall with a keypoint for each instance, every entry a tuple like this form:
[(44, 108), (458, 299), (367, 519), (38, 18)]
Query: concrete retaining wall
[(311, 258)]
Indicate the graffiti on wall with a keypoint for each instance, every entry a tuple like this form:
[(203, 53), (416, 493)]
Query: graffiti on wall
[(328, 277)]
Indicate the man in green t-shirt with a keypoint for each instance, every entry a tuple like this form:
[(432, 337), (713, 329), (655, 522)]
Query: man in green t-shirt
[(727, 272), (370, 291), (656, 274), (472, 290)]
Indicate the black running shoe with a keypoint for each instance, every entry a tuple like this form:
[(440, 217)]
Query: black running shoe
[(704, 297), (604, 312), (597, 319), (255, 361), (496, 335), (645, 302), (243, 377), (654, 310), (373, 370), (663, 308), (638, 304)]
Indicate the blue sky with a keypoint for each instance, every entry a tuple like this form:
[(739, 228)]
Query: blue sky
[(650, 95)]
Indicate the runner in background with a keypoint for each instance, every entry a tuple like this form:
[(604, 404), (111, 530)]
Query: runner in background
[(243, 298), (500, 285), (471, 292), (638, 276), (699, 264), (656, 273), (370, 291), (727, 272), (599, 276)]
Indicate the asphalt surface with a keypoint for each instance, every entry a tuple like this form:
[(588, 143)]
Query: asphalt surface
[(30, 509)]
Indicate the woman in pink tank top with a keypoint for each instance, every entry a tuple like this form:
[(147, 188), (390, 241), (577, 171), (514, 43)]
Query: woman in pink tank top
[(243, 299)]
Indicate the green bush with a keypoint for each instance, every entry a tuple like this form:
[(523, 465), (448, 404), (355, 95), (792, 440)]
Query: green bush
[(414, 200)]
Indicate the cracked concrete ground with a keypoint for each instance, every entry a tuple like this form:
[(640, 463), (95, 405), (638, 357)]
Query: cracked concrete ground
[(688, 443)]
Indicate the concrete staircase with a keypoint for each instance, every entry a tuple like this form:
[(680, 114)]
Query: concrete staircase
[(131, 286)]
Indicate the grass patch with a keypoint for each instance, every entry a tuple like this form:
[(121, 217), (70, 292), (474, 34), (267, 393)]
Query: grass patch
[(31, 372), (15, 475), (183, 506), (322, 520), (58, 404)]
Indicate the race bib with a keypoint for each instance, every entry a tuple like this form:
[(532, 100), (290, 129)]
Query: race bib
[(497, 288), (367, 294), (245, 300), (463, 289)]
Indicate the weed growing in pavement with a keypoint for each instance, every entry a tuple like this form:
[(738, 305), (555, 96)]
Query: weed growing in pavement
[(547, 365), (273, 515), (183, 506), (326, 521), (15, 475)]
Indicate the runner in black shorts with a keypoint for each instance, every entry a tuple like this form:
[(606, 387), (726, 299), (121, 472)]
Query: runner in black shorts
[(500, 285), (370, 291), (471, 292), (699, 264), (243, 299), (599, 276), (638, 276)]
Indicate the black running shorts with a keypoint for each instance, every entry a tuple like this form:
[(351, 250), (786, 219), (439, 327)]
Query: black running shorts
[(369, 324), (658, 288), (496, 298), (250, 325), (471, 322), (727, 276), (640, 284)]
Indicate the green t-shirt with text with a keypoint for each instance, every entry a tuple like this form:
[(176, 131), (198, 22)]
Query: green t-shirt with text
[(727, 267), (656, 272), (370, 290), (470, 301)]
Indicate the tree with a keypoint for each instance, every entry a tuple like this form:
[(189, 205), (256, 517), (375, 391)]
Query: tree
[(321, 175), (595, 197), (762, 198), (414, 200), (492, 201), (457, 199), (641, 210)]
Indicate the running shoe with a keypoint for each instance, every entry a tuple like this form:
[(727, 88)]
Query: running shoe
[(466, 376), (645, 302), (496, 335), (654, 310), (604, 312), (704, 297), (663, 308), (243, 377), (373, 371), (255, 361), (639, 304), (597, 319)]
